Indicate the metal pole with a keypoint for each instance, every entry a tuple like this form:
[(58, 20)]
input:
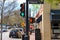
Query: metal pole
[(26, 37), (2, 17), (27, 27)]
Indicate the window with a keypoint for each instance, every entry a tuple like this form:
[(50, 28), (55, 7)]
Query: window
[(55, 16)]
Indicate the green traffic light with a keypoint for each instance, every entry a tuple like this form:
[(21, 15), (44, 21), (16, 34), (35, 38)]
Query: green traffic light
[(22, 10), (22, 14)]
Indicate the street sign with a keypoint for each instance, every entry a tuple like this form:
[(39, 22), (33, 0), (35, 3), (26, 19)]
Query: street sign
[(22, 24), (36, 1)]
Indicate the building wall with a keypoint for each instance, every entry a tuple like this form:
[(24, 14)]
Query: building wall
[(45, 24), (41, 28)]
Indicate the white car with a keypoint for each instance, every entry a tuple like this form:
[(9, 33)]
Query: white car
[(4, 28)]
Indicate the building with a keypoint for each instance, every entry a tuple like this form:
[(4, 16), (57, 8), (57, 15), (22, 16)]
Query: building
[(48, 21), (55, 24)]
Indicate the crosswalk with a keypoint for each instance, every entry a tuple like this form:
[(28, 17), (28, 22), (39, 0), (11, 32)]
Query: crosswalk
[(32, 37)]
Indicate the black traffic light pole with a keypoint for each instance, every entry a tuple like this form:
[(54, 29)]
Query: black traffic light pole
[(27, 27), (26, 37)]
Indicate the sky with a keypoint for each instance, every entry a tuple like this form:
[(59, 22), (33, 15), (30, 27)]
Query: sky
[(33, 13), (18, 2), (18, 6)]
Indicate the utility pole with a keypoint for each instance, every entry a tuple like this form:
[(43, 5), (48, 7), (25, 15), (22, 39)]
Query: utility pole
[(2, 17)]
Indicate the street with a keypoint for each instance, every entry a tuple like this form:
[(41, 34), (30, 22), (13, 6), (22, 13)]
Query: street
[(32, 37), (0, 36), (5, 36)]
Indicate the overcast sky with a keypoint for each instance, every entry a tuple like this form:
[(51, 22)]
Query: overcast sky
[(18, 2)]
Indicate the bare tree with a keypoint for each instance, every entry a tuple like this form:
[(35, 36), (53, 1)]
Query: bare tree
[(7, 10), (10, 7)]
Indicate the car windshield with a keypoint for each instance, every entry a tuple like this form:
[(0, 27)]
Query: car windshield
[(21, 30), (15, 30)]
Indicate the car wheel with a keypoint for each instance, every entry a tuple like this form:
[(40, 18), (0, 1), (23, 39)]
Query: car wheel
[(9, 36)]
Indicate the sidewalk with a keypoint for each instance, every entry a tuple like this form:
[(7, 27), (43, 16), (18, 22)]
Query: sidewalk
[(32, 37)]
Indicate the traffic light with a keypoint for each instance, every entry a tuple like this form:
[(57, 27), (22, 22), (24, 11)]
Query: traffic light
[(22, 10), (31, 20)]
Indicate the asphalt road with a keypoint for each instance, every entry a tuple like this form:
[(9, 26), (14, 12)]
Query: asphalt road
[(32, 37), (5, 36), (0, 36)]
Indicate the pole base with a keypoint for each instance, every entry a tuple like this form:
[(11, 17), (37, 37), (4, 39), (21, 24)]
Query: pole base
[(25, 37)]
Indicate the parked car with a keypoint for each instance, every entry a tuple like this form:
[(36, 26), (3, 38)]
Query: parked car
[(15, 33), (4, 28), (9, 27)]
